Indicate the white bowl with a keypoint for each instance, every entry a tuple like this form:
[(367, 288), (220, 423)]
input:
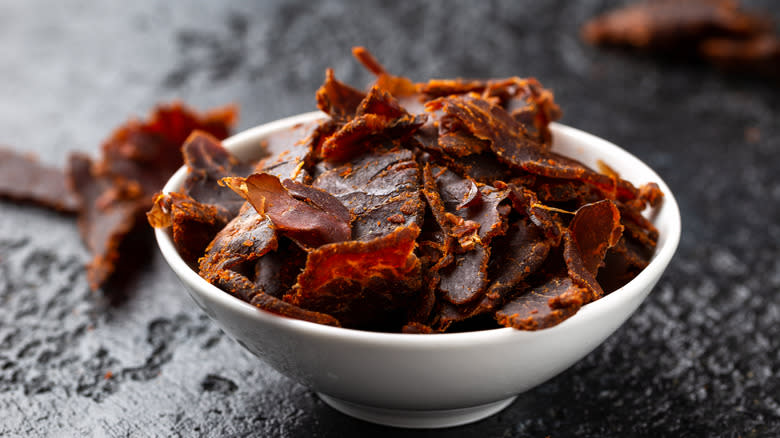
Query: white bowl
[(430, 380)]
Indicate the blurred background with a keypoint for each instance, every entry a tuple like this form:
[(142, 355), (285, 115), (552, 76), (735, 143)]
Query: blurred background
[(700, 358)]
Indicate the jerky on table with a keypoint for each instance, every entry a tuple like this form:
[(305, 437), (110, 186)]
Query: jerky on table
[(24, 178)]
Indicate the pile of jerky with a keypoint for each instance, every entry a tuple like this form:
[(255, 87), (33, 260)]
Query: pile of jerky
[(413, 207)]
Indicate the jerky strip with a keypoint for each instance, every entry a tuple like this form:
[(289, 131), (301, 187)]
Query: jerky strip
[(24, 178)]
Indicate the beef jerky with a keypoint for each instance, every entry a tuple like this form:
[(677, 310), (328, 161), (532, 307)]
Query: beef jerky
[(338, 100), (148, 152), (193, 224), (525, 201), (311, 220), (759, 54), (367, 130), (529, 104), (207, 163), (108, 214), (402, 88), (23, 178), (531, 310), (622, 263), (361, 283), (448, 87), (275, 305), (228, 261), (287, 152), (672, 25), (277, 271), (374, 187)]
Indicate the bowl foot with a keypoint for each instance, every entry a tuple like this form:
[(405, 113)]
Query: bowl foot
[(422, 419)]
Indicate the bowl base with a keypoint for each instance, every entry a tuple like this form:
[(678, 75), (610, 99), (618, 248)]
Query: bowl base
[(420, 419)]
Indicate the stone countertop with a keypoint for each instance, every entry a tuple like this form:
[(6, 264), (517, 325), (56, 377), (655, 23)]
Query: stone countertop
[(701, 357)]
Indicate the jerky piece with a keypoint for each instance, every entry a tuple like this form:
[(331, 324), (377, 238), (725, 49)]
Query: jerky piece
[(529, 103), (525, 201), (361, 283), (531, 311), (275, 305), (148, 152), (672, 24), (208, 162), (24, 178), (465, 279), (108, 213), (376, 186), (312, 221), (402, 88), (228, 260), (460, 143), (759, 54), (447, 87), (194, 224), (416, 328), (364, 131), (287, 149), (594, 229), (381, 103), (277, 271), (337, 99), (622, 263)]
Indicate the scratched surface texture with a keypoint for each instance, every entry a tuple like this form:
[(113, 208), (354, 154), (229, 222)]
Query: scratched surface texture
[(701, 357)]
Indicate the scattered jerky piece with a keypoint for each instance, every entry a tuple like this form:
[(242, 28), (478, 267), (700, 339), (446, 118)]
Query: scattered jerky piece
[(148, 152), (23, 178), (531, 311), (759, 54), (208, 162), (108, 214), (672, 24), (194, 224), (361, 283), (317, 219)]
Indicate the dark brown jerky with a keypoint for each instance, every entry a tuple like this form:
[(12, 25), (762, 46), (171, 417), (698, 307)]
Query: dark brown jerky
[(594, 229), (361, 283), (337, 99), (376, 186), (108, 213), (313, 220), (367, 131), (23, 178), (447, 87), (525, 201), (286, 150), (759, 54), (622, 263), (207, 163), (460, 143), (228, 262), (529, 103), (400, 87), (381, 103), (417, 328), (531, 311), (148, 152), (672, 24), (277, 271), (193, 224), (275, 305), (465, 279)]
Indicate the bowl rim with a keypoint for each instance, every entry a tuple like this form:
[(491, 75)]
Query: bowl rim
[(602, 306)]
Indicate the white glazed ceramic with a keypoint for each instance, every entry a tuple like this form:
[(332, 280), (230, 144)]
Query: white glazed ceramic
[(434, 380)]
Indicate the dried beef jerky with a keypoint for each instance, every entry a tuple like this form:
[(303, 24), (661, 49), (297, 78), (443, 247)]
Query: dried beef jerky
[(377, 186), (672, 24), (312, 218), (361, 283), (23, 178), (531, 311), (759, 54), (193, 224), (286, 151), (338, 100), (207, 163), (277, 271), (229, 259), (402, 88), (108, 214)]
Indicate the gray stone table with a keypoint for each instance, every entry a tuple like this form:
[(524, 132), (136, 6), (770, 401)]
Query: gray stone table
[(701, 357)]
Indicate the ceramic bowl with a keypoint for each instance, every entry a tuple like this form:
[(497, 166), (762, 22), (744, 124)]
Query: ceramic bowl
[(430, 380)]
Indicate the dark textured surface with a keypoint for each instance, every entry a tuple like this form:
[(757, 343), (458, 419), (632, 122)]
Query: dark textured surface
[(701, 357)]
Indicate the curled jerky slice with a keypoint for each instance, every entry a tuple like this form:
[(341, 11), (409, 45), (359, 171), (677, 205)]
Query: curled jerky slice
[(24, 178), (194, 224), (364, 131), (531, 311), (208, 162), (313, 219), (361, 283), (337, 99)]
